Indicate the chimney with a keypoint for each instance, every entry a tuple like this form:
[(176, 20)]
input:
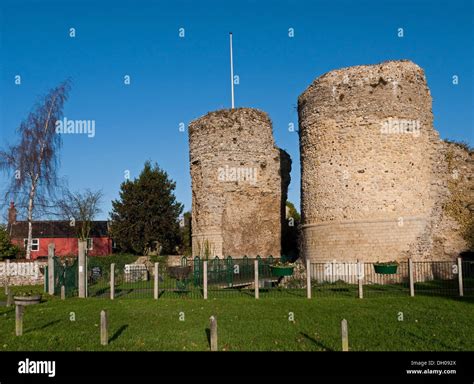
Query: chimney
[(12, 214)]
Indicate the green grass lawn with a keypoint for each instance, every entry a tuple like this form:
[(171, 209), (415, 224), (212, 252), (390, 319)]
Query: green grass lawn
[(244, 324)]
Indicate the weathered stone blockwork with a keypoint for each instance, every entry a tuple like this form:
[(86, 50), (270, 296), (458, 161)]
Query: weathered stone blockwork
[(452, 220), (239, 184), (368, 161)]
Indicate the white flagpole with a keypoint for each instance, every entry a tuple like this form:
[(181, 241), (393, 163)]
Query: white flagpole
[(231, 71)]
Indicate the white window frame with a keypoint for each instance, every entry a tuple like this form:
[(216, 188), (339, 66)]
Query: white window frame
[(34, 242), (91, 240)]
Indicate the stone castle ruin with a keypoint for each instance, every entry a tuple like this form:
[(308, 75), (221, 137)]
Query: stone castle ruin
[(376, 180), (377, 183), (239, 185)]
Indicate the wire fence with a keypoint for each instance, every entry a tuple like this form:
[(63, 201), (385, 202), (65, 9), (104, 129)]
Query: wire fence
[(437, 278), (181, 281), (98, 281), (65, 275), (237, 277), (380, 284), (344, 279), (334, 279), (468, 277)]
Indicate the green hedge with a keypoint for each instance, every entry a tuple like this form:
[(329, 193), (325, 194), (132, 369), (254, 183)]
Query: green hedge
[(103, 262)]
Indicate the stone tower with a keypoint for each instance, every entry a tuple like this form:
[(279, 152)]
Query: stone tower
[(239, 184), (368, 150)]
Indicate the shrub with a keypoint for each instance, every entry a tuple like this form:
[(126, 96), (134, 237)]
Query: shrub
[(7, 249), (103, 262)]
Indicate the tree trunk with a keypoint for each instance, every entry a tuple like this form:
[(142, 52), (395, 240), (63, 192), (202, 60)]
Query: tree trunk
[(34, 182), (30, 221)]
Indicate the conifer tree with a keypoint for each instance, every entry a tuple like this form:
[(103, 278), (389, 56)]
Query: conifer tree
[(146, 215)]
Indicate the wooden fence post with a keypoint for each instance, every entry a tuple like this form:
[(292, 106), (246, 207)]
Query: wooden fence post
[(104, 338), (112, 281), (50, 269), (213, 333), (19, 320), (204, 278), (9, 297), (155, 293), (345, 336), (82, 245), (360, 278), (86, 280), (7, 271), (255, 263), (410, 273), (308, 279), (461, 288), (45, 280)]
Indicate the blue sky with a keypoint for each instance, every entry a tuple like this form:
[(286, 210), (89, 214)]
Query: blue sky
[(176, 80)]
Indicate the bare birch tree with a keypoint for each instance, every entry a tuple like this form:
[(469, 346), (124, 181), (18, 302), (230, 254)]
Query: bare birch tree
[(80, 209), (32, 163)]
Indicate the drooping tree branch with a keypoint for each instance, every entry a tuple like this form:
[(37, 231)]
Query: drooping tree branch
[(32, 164)]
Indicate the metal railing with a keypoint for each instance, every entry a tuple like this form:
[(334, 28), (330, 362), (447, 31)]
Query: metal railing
[(237, 277), (436, 278), (468, 277)]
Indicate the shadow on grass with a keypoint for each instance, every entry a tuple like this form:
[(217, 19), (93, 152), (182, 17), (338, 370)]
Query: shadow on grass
[(230, 293), (117, 334), (208, 336), (465, 299), (122, 292), (246, 292), (140, 293), (10, 310), (277, 292), (424, 340), (314, 341), (101, 292), (43, 326)]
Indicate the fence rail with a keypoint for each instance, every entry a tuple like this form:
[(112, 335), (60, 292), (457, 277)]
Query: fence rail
[(234, 277)]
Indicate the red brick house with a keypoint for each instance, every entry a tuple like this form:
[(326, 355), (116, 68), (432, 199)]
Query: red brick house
[(61, 233)]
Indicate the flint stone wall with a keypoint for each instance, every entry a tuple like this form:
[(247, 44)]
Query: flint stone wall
[(239, 184), (16, 273), (452, 220)]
